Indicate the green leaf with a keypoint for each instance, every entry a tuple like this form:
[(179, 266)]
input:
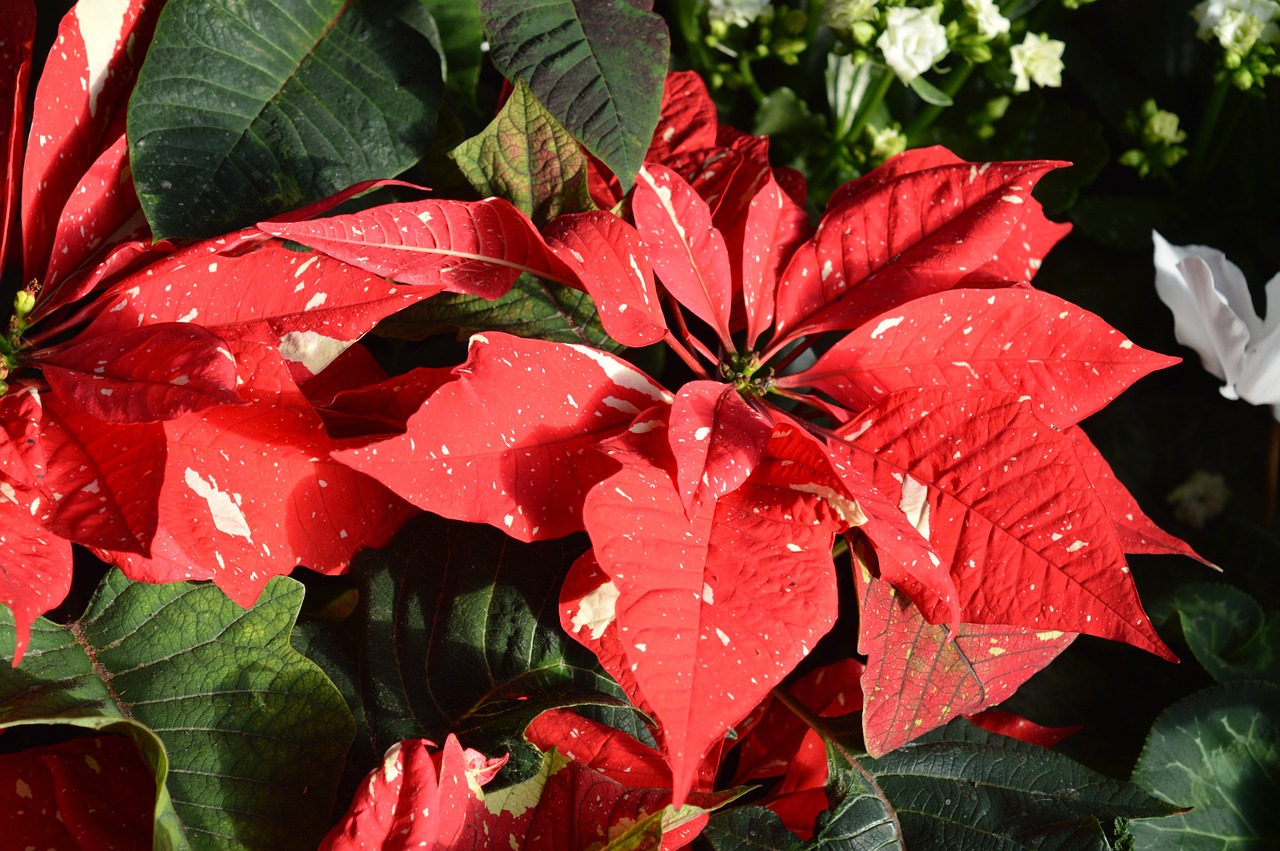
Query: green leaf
[(599, 66), (253, 732), (859, 818), (525, 156), (1227, 631), (461, 33), (243, 110), (458, 631), (962, 787), (1217, 751), (750, 829), (532, 308), (929, 93)]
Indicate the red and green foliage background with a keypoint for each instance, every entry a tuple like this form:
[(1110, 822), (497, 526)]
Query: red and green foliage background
[(629, 499)]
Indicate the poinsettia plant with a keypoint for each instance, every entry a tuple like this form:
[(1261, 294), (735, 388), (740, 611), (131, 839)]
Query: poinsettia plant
[(877, 391)]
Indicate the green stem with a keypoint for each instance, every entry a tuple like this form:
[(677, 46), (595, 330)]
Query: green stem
[(1204, 135), (748, 78), (875, 96), (925, 117)]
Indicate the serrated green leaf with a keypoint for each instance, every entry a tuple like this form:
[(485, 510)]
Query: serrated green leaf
[(243, 110), (525, 156), (532, 308), (458, 632), (597, 65), (1227, 631), (962, 787), (1217, 751), (254, 733)]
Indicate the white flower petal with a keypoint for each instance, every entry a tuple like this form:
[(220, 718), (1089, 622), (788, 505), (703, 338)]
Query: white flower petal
[(1227, 334), (1189, 324)]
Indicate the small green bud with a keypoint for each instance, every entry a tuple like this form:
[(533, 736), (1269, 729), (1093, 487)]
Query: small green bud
[(863, 33), (1243, 79), (23, 303)]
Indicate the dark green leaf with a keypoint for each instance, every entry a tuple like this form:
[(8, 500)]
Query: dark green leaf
[(458, 631), (461, 33), (253, 732), (1227, 631), (532, 308), (243, 110), (962, 787), (859, 818), (598, 65), (525, 156), (1217, 751), (749, 829)]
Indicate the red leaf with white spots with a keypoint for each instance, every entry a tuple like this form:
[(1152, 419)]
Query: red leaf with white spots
[(35, 564), (104, 478), (622, 759), (156, 372), (716, 439), (508, 442), (713, 609), (610, 261), (363, 415), (1022, 729), (687, 252), (1004, 501), (417, 799), (602, 748), (22, 459), (15, 72), (315, 308), (921, 675), (588, 613), (772, 229), (1069, 362), (250, 490), (917, 234), (828, 471), (687, 124), (1138, 533), (102, 206), (79, 112), (473, 247), (911, 160), (91, 793)]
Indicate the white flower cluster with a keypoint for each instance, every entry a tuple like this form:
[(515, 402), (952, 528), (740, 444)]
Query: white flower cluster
[(986, 14), (841, 15), (1037, 60), (1238, 24), (736, 13), (912, 41)]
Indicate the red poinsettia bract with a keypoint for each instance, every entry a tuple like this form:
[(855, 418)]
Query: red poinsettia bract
[(890, 375)]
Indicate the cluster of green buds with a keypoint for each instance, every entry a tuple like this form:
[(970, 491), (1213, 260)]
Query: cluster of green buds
[(739, 32), (11, 342), (1248, 32), (1160, 140)]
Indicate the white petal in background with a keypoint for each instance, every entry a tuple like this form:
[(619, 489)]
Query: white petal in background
[(1213, 313)]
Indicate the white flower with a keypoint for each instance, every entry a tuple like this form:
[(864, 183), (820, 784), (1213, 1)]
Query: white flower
[(912, 41), (1200, 498), (737, 13), (1229, 20), (843, 14), (1213, 314), (1037, 60), (987, 16)]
